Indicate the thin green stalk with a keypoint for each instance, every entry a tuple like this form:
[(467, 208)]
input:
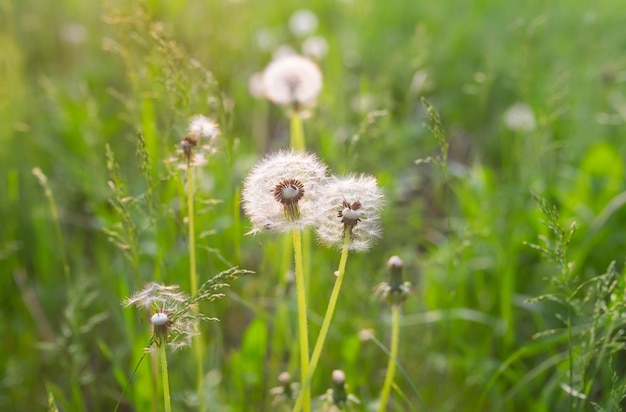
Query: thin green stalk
[(165, 378), (391, 367), (330, 310), (43, 180), (302, 317), (297, 132), (193, 280)]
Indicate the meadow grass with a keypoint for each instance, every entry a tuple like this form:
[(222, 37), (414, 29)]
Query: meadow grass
[(510, 309)]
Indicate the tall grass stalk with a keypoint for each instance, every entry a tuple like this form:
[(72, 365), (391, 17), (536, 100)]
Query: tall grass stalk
[(391, 368), (193, 281), (43, 180), (77, 393), (165, 379), (302, 317), (330, 310)]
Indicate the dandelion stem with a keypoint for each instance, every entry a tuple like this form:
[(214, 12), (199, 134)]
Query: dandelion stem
[(391, 367), (165, 378), (302, 317), (330, 310), (193, 280), (297, 132)]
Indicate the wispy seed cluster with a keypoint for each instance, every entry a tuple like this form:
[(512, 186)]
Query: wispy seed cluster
[(289, 190)]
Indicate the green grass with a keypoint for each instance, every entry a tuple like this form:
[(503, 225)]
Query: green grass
[(470, 338)]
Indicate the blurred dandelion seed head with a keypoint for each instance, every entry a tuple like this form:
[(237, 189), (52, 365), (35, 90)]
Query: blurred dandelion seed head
[(315, 47), (198, 145), (292, 80), (201, 127), (255, 86), (520, 118), (303, 22)]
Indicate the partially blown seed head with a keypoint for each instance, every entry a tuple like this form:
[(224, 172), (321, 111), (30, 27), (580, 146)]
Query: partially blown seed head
[(170, 313), (350, 205)]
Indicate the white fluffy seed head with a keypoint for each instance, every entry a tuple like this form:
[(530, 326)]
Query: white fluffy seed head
[(303, 22), (520, 118), (315, 47), (164, 299), (159, 319), (292, 80), (339, 211), (202, 127), (266, 208)]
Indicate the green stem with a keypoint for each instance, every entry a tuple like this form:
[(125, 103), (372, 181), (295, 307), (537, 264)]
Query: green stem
[(330, 310), (391, 367), (43, 180), (165, 378), (193, 280), (297, 132), (302, 316)]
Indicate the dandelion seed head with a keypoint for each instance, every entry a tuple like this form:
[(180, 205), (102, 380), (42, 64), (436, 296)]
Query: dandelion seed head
[(292, 80), (282, 51), (520, 118), (315, 47), (352, 203), (303, 22), (202, 127), (255, 86), (280, 192), (73, 33), (170, 314)]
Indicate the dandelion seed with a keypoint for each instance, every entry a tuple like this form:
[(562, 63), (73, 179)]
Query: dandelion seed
[(303, 22), (520, 118), (350, 204), (292, 80), (280, 193)]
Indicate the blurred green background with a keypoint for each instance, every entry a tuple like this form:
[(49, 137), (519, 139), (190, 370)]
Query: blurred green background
[(77, 77)]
